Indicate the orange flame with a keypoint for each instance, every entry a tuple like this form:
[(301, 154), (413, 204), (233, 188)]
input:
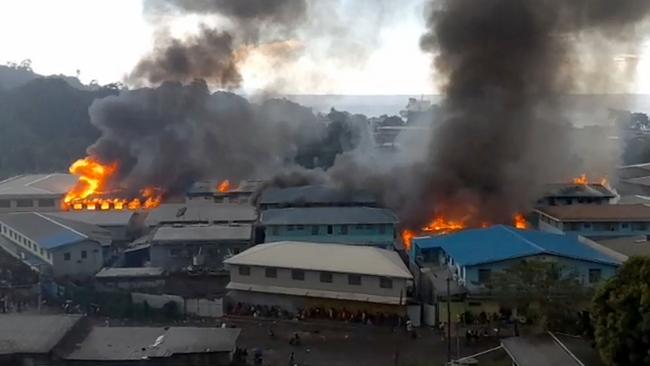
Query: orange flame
[(583, 180), (224, 186), (440, 225), (520, 221), (407, 239), (93, 180)]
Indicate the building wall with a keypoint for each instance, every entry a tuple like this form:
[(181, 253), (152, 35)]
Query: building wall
[(470, 274), (76, 265), (369, 284), (29, 204), (174, 257), (593, 230), (382, 235), (565, 201)]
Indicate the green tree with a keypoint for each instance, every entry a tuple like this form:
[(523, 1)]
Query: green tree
[(544, 291), (621, 315)]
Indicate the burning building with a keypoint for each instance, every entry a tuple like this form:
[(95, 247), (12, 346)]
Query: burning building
[(35, 192)]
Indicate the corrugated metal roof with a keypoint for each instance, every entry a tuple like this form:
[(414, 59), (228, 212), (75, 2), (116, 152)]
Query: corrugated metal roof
[(203, 233), (537, 351), (99, 218), (614, 213), (37, 185), (137, 343), (200, 212), (324, 257), (629, 245), (130, 272), (314, 194), (33, 333), (328, 215), (498, 243), (51, 232)]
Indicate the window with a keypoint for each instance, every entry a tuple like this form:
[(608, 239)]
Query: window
[(244, 270), (42, 251), (382, 229), (326, 277), (174, 252), (275, 230), (639, 226), (24, 203), (300, 227), (314, 230), (46, 202), (358, 226), (298, 275), (271, 272), (290, 228), (343, 229), (84, 254), (624, 225), (484, 275), (594, 275), (330, 229), (573, 226), (66, 256), (385, 282), (586, 225), (354, 280), (5, 203), (368, 227)]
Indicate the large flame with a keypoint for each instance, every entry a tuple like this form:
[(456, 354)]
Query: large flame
[(583, 180), (224, 187), (442, 225), (90, 192)]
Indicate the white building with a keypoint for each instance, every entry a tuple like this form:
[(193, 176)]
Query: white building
[(68, 248), (299, 275), (35, 192)]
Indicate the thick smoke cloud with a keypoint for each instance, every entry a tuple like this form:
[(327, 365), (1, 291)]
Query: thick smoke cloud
[(214, 54), (503, 66), (173, 135)]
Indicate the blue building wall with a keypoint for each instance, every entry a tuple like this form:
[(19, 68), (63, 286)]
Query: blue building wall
[(470, 274), (381, 235)]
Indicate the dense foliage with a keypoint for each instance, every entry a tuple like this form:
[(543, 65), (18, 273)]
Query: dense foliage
[(621, 315)]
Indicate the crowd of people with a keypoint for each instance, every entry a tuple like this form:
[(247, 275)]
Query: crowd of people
[(342, 314)]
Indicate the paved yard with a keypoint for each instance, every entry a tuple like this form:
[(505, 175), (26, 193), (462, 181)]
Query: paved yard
[(338, 344)]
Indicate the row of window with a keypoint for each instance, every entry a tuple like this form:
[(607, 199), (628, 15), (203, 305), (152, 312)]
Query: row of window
[(341, 229), (24, 203), (25, 242), (210, 252), (325, 277), (606, 226), (83, 255)]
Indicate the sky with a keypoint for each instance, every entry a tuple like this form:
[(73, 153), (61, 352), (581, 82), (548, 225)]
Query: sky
[(103, 39)]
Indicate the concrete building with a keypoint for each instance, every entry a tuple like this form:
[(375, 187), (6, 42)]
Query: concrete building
[(298, 275), (69, 248), (596, 221), (34, 339), (35, 192), (561, 194), (474, 255), (192, 213), (313, 196), (175, 248), (346, 225), (130, 278), (158, 346)]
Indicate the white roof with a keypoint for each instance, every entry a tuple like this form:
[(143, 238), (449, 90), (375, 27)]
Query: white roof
[(203, 233), (339, 258), (56, 184), (99, 218)]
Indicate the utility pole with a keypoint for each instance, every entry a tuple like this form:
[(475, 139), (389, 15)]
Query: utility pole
[(448, 323)]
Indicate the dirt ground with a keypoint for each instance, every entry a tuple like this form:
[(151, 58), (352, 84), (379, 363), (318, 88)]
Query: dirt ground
[(339, 344)]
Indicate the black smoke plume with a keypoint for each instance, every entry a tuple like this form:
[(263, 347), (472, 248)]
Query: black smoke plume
[(504, 66)]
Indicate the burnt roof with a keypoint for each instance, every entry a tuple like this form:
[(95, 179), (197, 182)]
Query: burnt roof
[(613, 213), (562, 190)]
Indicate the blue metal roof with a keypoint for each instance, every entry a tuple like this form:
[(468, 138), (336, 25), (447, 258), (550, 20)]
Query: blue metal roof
[(499, 243)]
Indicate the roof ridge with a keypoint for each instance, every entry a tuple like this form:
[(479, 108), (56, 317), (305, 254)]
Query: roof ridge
[(515, 233), (60, 224)]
